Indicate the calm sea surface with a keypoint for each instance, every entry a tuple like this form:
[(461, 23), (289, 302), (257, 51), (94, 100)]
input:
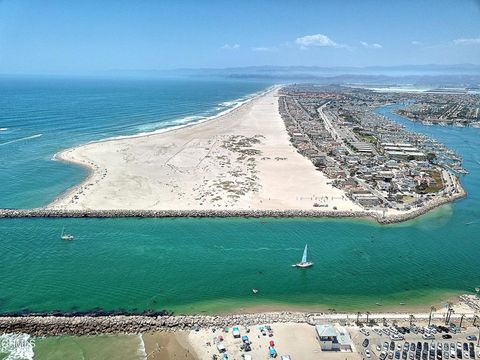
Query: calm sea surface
[(204, 265)]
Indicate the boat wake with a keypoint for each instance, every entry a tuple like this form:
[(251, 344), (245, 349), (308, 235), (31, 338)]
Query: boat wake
[(3, 129), (21, 139), (17, 346)]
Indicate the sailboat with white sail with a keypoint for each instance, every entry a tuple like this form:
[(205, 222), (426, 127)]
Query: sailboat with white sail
[(304, 263), (65, 236)]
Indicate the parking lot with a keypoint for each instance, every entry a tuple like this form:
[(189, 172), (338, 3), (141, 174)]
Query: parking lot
[(416, 343)]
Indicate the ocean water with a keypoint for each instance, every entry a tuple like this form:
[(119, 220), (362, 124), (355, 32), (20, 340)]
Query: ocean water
[(210, 265), (39, 117), (118, 347), (25, 347)]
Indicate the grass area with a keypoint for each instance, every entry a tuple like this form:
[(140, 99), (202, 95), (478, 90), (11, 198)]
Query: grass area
[(438, 183), (368, 138)]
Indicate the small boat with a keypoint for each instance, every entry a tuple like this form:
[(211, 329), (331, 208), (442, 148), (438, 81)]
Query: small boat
[(65, 236), (304, 263), (378, 304), (255, 291)]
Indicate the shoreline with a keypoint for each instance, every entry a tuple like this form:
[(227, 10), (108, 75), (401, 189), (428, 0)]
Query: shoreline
[(462, 302), (52, 325), (91, 168)]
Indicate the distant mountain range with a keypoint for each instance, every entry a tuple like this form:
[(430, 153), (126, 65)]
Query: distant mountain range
[(443, 75)]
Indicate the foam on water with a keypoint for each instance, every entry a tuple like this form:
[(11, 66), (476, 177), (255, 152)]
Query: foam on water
[(141, 348), (17, 346), (188, 120), (77, 111)]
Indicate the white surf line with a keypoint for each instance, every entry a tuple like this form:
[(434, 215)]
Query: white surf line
[(21, 139), (17, 346), (141, 348), (181, 121)]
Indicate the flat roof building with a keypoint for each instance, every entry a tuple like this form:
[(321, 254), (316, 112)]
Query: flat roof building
[(333, 338)]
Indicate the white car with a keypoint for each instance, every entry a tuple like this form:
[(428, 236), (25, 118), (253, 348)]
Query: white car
[(364, 332), (367, 353)]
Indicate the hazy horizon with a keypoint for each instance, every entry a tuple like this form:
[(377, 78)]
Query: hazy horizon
[(81, 38)]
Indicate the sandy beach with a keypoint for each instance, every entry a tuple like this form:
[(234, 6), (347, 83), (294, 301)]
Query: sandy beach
[(168, 345), (242, 159)]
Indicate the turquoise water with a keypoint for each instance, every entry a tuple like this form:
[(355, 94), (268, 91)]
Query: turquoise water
[(195, 265), (211, 265), (24, 347), (40, 117)]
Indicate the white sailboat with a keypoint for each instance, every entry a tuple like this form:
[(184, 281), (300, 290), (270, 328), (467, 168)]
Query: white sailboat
[(304, 263), (64, 236)]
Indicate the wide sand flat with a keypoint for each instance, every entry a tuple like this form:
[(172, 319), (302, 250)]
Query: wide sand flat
[(240, 160), (297, 340)]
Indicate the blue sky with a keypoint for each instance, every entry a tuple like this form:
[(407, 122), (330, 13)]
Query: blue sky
[(86, 36)]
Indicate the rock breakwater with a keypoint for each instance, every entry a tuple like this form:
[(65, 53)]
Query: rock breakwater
[(94, 325), (388, 219)]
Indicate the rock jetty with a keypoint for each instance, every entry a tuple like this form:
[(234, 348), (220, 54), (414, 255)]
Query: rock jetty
[(132, 324), (389, 219)]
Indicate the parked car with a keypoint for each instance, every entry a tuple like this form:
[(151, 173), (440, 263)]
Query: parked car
[(365, 332), (236, 332)]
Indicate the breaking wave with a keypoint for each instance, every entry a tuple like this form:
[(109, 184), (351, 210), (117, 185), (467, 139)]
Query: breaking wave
[(17, 346)]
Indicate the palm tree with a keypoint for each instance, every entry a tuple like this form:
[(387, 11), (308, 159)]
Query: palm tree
[(384, 320), (368, 313), (478, 342), (461, 320), (449, 312), (432, 309), (411, 320), (358, 316)]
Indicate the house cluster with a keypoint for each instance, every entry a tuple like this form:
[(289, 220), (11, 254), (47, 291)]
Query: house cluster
[(375, 160), (450, 107)]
